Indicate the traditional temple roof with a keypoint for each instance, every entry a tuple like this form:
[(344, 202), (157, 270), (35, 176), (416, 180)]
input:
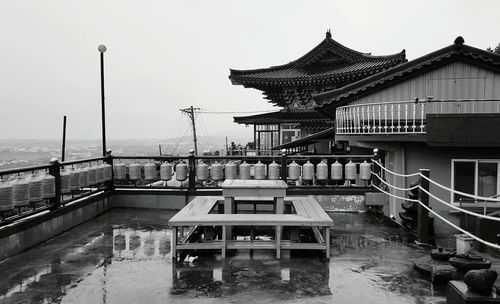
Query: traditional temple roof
[(328, 63), (284, 116), (455, 52)]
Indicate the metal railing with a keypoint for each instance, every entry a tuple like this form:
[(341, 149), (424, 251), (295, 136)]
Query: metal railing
[(404, 117), (35, 189), (73, 180), (195, 179)]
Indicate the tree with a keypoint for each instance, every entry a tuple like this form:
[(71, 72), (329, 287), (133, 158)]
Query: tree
[(251, 145), (496, 50)]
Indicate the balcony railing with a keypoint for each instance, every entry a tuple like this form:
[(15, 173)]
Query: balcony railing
[(404, 117)]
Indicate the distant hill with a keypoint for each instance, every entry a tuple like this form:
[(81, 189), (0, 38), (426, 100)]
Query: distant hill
[(25, 152)]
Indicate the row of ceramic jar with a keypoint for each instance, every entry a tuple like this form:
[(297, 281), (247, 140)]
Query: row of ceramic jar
[(20, 191), (230, 170), (76, 178)]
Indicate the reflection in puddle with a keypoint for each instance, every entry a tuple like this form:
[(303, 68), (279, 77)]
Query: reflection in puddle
[(283, 280), (49, 282), (131, 243), (124, 257)]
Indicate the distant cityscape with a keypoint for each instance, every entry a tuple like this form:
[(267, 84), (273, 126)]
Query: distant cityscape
[(16, 153)]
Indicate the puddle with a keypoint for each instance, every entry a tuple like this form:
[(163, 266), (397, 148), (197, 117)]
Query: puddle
[(124, 256)]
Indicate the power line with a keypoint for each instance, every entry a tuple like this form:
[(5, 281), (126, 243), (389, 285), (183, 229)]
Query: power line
[(234, 112), (180, 140), (204, 129)]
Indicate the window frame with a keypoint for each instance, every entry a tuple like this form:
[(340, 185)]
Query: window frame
[(476, 181)]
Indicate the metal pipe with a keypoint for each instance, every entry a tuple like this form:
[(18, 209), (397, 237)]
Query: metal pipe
[(63, 149), (102, 49)]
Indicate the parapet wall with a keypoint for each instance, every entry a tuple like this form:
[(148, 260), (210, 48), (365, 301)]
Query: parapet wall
[(26, 233)]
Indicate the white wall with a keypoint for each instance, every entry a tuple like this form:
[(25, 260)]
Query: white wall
[(457, 80)]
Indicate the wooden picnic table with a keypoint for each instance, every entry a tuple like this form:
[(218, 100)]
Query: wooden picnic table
[(198, 213)]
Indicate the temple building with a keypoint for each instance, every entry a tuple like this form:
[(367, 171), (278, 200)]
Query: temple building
[(297, 126)]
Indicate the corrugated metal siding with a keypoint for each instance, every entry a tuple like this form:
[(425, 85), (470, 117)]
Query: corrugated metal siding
[(457, 80)]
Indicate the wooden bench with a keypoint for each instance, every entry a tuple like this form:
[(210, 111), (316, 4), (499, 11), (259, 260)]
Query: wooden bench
[(308, 214), (200, 205)]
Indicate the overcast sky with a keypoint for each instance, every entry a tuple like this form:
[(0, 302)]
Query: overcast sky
[(165, 55)]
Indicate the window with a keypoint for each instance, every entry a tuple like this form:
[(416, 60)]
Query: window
[(477, 177), (487, 179), (464, 177), (289, 132), (267, 136)]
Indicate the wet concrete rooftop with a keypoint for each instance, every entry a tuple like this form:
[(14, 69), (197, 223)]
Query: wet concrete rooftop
[(123, 256)]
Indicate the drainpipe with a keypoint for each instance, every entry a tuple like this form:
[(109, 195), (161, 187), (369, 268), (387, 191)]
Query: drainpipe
[(403, 162)]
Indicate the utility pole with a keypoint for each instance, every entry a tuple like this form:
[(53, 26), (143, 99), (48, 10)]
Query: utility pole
[(190, 112)]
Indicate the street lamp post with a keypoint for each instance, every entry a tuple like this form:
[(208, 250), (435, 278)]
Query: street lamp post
[(102, 48)]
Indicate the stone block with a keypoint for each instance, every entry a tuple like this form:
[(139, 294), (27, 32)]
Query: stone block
[(458, 293)]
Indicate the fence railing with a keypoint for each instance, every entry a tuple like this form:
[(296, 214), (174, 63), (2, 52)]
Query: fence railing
[(404, 117), (209, 172), (30, 190)]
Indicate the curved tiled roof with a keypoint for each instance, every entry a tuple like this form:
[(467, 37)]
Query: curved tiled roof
[(456, 51), (329, 62)]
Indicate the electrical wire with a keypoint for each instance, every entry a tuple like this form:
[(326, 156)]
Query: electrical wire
[(180, 140), (234, 112), (210, 140), (174, 129)]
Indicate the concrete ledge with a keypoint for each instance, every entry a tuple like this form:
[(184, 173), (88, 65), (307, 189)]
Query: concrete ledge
[(376, 199), (342, 203), (150, 201), (28, 232)]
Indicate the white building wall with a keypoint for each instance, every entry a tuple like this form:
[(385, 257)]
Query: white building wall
[(458, 80)]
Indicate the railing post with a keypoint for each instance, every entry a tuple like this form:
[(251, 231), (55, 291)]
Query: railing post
[(55, 171), (423, 214), (283, 165), (192, 170), (376, 168), (109, 160)]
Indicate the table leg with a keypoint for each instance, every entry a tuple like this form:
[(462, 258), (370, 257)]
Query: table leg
[(228, 205), (228, 209), (280, 202), (327, 242), (224, 241), (278, 242), (173, 244)]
